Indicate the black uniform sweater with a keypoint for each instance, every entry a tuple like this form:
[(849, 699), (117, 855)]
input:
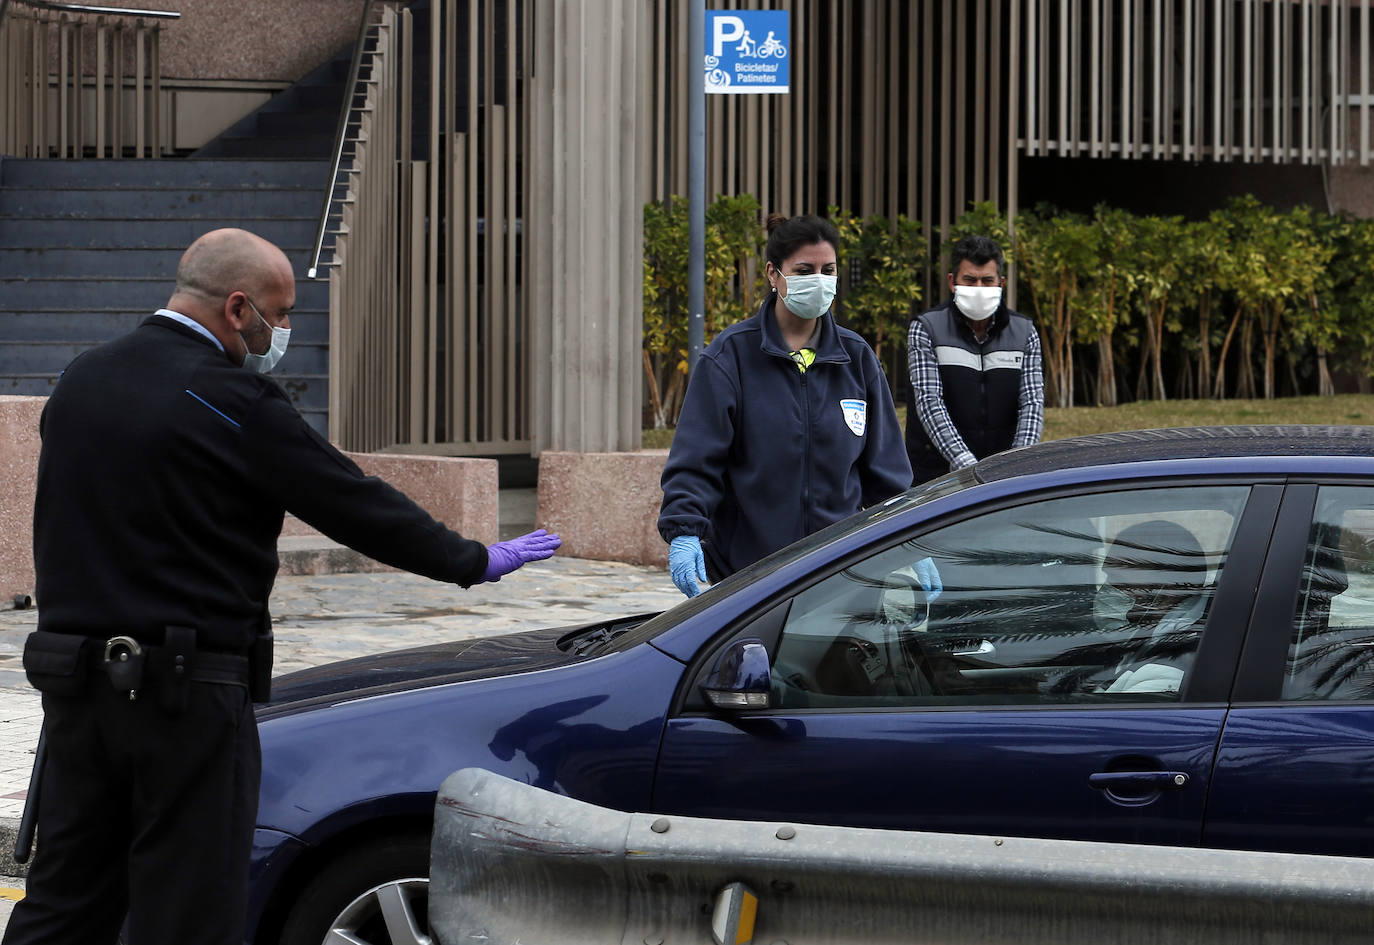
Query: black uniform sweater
[(164, 474)]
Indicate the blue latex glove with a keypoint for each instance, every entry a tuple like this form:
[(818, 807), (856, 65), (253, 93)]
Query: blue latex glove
[(505, 556), (687, 564), (929, 577)]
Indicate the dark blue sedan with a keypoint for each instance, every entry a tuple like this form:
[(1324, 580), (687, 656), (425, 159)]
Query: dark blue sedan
[(1151, 637)]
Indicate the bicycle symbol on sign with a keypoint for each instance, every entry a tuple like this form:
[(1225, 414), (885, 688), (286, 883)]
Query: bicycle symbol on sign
[(771, 46)]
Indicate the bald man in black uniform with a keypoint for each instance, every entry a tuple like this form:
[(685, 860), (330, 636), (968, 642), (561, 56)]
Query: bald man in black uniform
[(168, 461)]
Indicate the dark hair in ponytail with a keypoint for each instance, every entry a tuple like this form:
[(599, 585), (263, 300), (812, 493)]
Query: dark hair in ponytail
[(786, 236)]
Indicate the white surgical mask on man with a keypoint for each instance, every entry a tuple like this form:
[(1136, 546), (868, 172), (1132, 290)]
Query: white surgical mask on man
[(809, 296), (978, 302), (262, 363)]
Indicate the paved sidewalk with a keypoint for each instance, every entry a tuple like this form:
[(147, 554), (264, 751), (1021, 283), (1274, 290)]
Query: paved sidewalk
[(322, 618)]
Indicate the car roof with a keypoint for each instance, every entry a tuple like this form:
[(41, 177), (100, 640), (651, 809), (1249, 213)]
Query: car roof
[(1136, 446)]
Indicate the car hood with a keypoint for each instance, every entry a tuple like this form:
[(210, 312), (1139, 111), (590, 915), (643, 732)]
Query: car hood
[(457, 661)]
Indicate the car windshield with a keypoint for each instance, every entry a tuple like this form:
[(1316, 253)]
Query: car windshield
[(913, 497)]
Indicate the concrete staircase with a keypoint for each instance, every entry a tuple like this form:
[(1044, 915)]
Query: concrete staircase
[(90, 248), (298, 123)]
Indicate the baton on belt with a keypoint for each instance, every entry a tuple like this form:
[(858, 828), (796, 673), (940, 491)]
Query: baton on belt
[(23, 842)]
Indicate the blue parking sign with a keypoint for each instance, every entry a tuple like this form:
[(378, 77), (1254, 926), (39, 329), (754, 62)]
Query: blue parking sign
[(747, 51)]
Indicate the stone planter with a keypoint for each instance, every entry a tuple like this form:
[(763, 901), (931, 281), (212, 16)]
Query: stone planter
[(604, 505)]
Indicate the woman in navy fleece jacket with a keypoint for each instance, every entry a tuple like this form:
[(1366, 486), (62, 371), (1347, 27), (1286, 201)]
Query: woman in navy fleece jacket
[(788, 424)]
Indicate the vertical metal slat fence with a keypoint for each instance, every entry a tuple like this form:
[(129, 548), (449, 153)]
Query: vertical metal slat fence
[(76, 83), (914, 107), (429, 322)]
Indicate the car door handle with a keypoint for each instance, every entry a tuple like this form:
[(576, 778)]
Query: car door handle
[(1138, 781), (984, 648)]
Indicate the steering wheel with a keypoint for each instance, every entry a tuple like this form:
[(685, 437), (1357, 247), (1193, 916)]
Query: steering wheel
[(848, 667), (910, 671)]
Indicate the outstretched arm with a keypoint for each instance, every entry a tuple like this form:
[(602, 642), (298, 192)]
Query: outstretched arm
[(310, 478)]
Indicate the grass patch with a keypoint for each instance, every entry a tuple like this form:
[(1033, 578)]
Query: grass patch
[(1064, 422), (657, 439), (1061, 422)]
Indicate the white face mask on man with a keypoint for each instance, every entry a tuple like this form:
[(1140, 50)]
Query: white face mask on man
[(262, 363), (978, 302)]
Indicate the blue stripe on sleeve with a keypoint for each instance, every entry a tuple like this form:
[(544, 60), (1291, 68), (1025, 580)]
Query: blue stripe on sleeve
[(214, 408)]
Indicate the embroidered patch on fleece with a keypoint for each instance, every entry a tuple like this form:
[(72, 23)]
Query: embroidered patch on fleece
[(855, 415)]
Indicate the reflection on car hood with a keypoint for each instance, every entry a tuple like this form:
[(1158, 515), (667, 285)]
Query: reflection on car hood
[(414, 668)]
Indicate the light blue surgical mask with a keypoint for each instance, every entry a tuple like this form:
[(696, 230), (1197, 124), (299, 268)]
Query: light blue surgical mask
[(262, 363), (809, 296), (1111, 607)]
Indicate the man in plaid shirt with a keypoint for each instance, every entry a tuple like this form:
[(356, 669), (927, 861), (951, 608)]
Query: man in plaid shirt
[(977, 386)]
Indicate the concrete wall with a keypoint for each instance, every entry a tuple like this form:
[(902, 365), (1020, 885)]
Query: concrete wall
[(461, 493), (221, 60), (604, 505), (275, 40), (18, 471)]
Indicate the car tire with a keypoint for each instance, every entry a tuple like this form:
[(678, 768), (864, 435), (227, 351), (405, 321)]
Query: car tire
[(376, 893)]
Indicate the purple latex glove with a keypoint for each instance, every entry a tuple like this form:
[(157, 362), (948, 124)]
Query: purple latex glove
[(505, 556)]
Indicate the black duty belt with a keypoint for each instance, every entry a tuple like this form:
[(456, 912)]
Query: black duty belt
[(131, 665)]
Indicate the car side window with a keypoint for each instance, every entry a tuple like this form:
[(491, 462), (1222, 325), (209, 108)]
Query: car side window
[(1331, 654), (1097, 598)]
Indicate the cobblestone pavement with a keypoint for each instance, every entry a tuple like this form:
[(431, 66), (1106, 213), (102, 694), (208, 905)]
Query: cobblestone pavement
[(323, 618)]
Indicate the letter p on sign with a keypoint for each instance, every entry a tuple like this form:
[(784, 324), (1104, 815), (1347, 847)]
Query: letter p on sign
[(725, 29)]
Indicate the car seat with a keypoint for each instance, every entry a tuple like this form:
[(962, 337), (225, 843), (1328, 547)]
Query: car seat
[(1322, 663)]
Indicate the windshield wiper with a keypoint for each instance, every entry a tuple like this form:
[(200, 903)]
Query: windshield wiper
[(599, 637)]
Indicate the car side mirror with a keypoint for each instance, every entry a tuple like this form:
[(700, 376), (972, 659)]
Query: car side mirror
[(741, 678)]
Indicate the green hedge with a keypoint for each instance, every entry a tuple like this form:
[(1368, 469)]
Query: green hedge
[(1249, 302), (882, 265), (1240, 304)]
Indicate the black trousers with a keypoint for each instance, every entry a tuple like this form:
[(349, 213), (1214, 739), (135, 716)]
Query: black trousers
[(143, 814)]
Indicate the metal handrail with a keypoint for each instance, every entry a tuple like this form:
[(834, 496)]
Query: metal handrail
[(83, 8), (340, 132)]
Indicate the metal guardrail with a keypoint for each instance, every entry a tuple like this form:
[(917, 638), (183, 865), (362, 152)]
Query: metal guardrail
[(65, 85), (513, 863)]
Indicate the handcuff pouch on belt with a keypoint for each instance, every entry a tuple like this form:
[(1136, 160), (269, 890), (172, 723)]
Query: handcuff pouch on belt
[(129, 665), (123, 664)]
